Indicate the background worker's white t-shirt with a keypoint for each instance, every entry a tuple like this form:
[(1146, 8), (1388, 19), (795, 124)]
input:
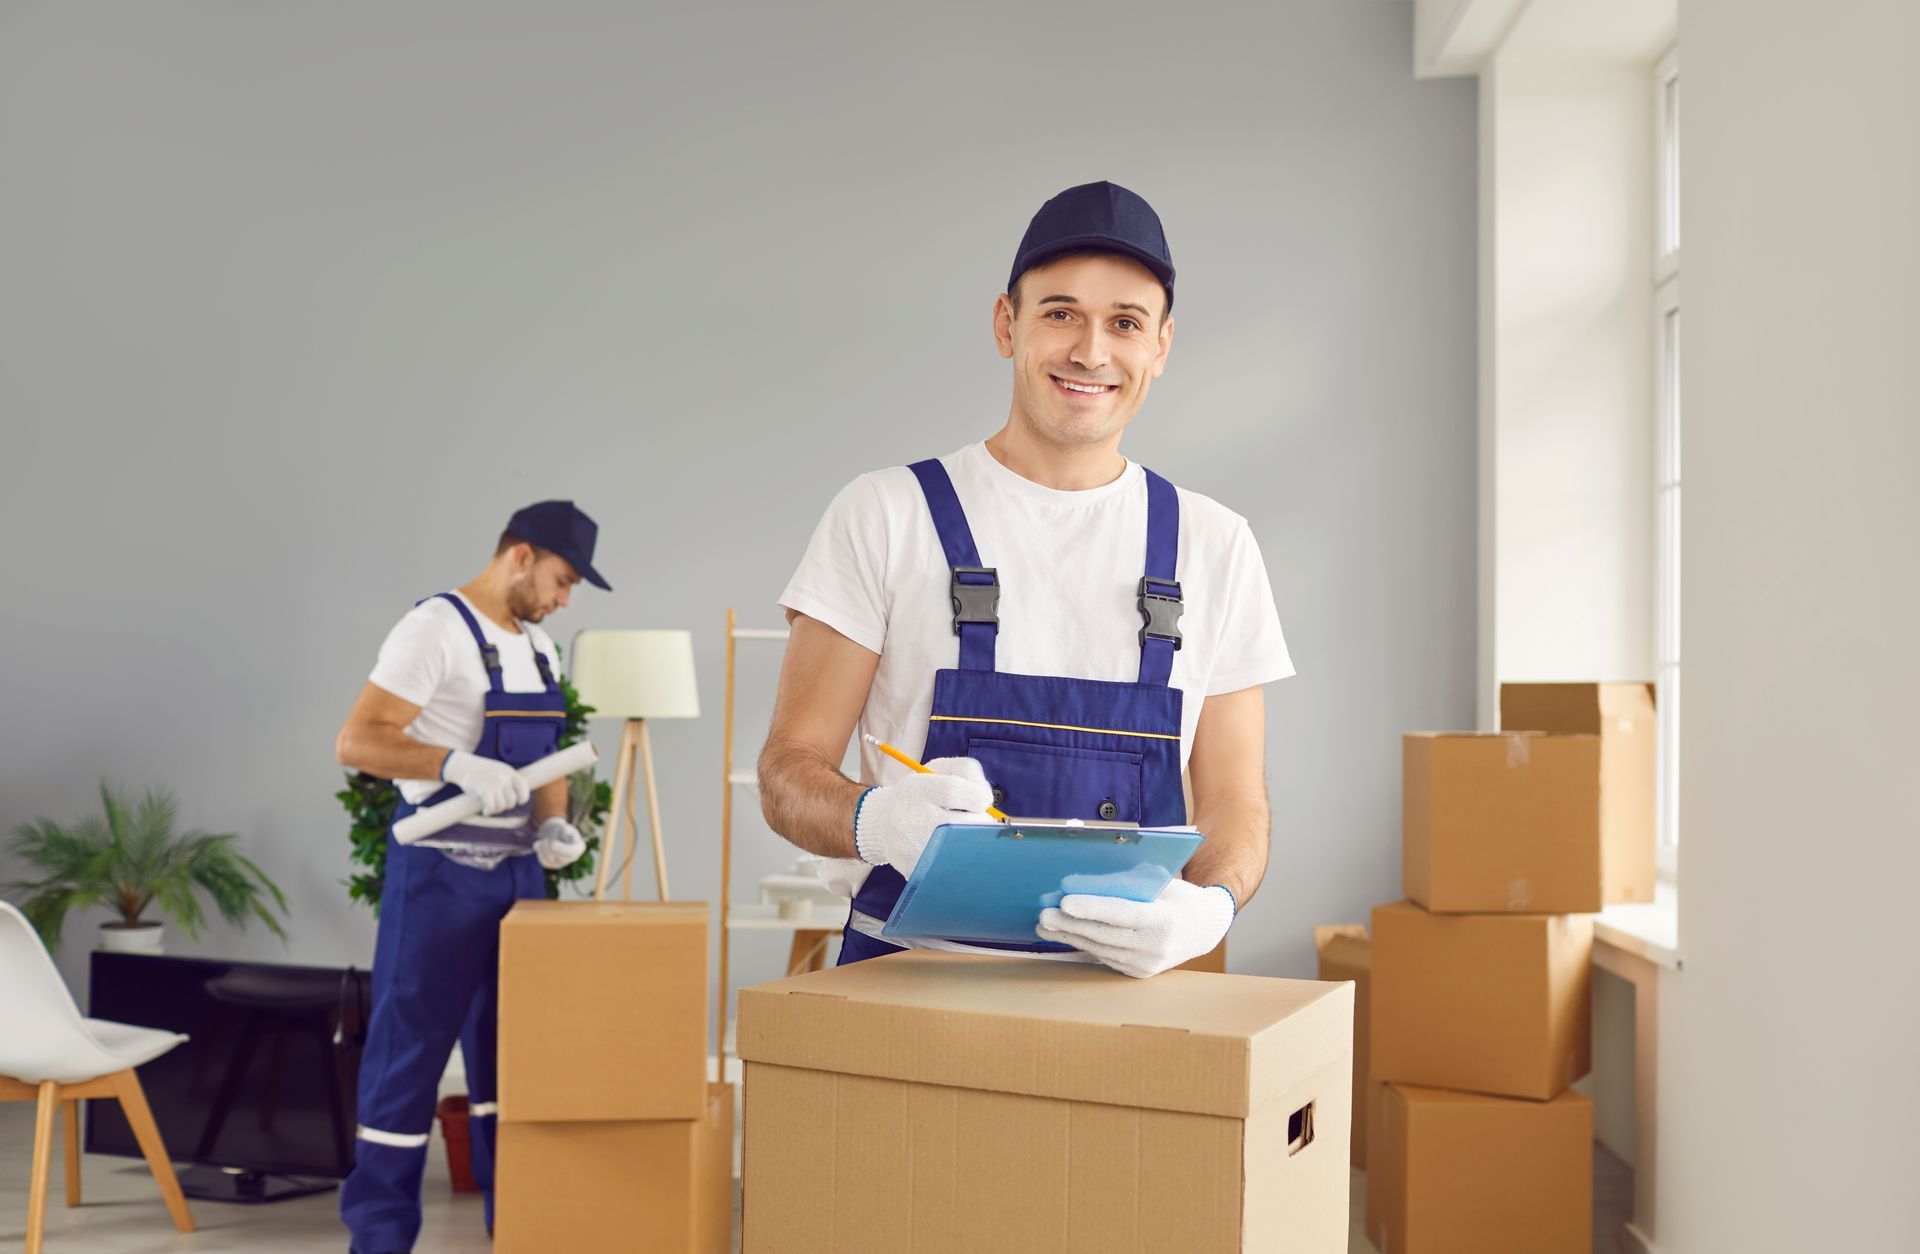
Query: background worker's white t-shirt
[(1069, 567), (430, 659)]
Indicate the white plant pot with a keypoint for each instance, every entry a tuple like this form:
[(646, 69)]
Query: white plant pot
[(141, 938)]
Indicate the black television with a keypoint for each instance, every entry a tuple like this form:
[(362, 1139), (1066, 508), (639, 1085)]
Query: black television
[(260, 1098)]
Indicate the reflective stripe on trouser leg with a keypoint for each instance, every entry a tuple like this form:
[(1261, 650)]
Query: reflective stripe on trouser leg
[(397, 1140)]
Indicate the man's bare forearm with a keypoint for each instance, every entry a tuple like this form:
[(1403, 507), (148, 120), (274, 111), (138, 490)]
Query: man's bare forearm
[(806, 799), (550, 800), (389, 753), (1235, 850)]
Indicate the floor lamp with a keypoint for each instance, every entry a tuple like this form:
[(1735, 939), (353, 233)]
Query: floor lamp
[(634, 676)]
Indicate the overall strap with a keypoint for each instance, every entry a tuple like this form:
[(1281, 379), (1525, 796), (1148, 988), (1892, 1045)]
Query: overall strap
[(489, 656), (1160, 603), (974, 589), (540, 660)]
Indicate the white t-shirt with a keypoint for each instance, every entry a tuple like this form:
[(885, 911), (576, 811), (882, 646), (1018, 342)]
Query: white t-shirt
[(1069, 568), (430, 659)]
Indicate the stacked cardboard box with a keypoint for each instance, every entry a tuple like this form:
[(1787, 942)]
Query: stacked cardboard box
[(1622, 716), (610, 1137), (1481, 979), (955, 1103)]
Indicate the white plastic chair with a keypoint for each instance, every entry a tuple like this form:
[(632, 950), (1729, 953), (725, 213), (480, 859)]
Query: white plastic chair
[(49, 1054)]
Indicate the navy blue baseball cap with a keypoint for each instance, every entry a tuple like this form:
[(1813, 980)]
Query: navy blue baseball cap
[(560, 527), (1096, 217)]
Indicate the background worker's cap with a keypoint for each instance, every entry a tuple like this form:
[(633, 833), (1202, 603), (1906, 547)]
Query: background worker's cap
[(560, 527), (1096, 217)]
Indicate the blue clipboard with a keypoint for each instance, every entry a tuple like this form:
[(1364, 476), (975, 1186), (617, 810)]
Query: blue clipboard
[(987, 883)]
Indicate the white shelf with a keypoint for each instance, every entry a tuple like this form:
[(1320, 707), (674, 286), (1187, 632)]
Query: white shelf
[(760, 633), (1649, 929), (758, 917)]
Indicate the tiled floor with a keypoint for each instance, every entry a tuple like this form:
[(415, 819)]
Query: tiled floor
[(122, 1213)]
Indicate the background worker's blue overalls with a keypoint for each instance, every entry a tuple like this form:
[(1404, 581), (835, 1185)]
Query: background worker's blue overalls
[(435, 979), (1052, 747)]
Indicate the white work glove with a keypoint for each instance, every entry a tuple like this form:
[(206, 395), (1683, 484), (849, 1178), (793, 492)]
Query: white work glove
[(895, 821), (497, 785), (1142, 938), (559, 843)]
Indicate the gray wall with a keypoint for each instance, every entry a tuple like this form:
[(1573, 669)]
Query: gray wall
[(298, 301)]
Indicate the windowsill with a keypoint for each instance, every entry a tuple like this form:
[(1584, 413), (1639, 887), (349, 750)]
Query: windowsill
[(1649, 930)]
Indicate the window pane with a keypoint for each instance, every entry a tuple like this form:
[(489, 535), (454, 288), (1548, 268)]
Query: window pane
[(1667, 448), (1670, 165), (1667, 699)]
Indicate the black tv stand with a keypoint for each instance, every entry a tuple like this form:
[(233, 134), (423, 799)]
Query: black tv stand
[(236, 1184)]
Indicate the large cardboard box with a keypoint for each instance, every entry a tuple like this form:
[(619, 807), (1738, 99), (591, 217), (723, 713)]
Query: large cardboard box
[(1490, 1003), (956, 1103), (1484, 1175), (618, 1187), (1507, 822), (1346, 953), (1622, 716), (603, 1011)]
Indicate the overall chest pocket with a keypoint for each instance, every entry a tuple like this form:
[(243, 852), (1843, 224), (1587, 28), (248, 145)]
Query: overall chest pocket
[(523, 740), (1039, 781)]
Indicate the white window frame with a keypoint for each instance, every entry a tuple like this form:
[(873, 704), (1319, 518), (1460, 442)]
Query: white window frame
[(1666, 565), (1667, 359), (1666, 161)]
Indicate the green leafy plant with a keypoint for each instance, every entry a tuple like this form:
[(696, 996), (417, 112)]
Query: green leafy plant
[(130, 858), (370, 801)]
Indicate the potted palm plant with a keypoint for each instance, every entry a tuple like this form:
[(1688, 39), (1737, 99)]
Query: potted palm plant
[(132, 861)]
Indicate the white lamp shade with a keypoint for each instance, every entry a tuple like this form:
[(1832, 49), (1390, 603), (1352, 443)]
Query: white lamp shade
[(635, 674)]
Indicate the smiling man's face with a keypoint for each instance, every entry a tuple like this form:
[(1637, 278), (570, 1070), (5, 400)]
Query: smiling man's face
[(1088, 335)]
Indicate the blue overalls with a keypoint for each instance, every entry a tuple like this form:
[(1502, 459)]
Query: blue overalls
[(436, 969), (1052, 747)]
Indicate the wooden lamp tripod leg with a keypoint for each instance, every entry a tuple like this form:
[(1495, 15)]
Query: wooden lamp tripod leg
[(622, 803), (653, 815)]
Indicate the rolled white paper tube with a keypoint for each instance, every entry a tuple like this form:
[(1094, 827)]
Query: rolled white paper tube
[(424, 823)]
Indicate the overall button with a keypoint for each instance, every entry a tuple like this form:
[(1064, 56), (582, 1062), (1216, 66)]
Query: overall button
[(1109, 811)]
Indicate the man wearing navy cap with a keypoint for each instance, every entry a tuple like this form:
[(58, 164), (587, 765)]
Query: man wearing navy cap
[(1069, 632), (466, 690)]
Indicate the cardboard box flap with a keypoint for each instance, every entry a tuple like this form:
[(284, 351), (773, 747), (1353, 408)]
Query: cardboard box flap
[(1579, 708), (563, 913), (1489, 737), (1344, 946), (1183, 1041)]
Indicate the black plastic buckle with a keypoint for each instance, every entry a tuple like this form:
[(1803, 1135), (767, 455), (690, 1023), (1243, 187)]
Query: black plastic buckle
[(1160, 610), (490, 657), (975, 602)]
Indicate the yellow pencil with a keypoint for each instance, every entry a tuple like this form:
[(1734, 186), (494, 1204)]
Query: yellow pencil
[(908, 762)]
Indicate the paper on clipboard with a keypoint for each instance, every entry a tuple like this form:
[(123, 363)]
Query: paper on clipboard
[(987, 883)]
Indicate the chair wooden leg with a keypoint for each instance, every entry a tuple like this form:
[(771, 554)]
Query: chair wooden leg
[(42, 1164), (133, 1103), (71, 1135)]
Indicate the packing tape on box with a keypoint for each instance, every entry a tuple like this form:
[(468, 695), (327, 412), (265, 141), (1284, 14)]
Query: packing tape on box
[(1517, 752), (424, 823)]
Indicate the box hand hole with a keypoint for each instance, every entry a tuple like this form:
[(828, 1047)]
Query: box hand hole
[(1299, 1129)]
